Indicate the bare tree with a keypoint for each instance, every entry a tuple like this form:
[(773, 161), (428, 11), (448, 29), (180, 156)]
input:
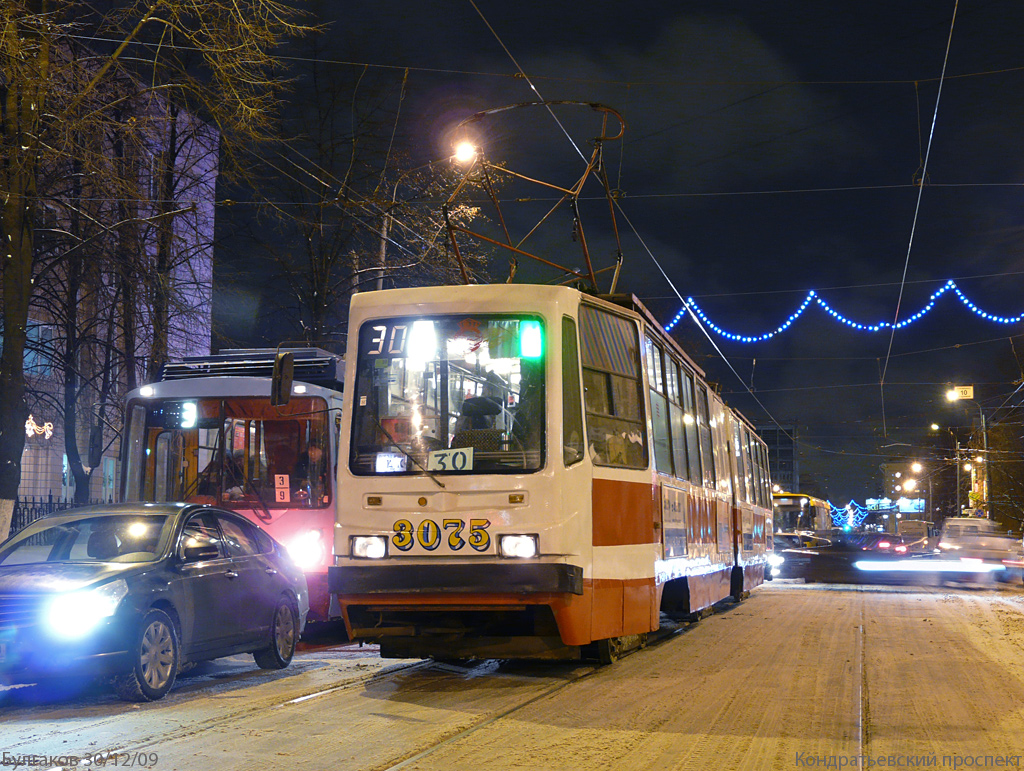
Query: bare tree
[(64, 92), (346, 208)]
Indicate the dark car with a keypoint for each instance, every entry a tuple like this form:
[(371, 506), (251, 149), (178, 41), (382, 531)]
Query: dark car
[(793, 553), (137, 591), (859, 558)]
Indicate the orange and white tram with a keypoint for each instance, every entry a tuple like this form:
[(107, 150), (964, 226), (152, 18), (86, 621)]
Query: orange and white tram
[(534, 472)]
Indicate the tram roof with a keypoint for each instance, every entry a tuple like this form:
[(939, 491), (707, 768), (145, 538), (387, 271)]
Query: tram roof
[(312, 365)]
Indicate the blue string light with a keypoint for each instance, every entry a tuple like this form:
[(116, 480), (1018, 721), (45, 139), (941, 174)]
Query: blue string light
[(849, 516), (813, 296)]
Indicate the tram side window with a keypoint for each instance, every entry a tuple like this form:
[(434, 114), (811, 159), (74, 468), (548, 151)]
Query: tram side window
[(766, 482), (757, 450), (748, 477), (721, 439), (755, 469), (572, 406), (612, 385), (704, 429), (659, 409), (742, 492), (677, 419), (690, 420)]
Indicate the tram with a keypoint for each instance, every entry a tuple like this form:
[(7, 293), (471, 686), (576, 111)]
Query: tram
[(794, 511), (533, 472), (208, 433)]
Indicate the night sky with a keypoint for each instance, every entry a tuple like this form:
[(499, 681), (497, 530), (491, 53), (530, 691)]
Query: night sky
[(770, 149)]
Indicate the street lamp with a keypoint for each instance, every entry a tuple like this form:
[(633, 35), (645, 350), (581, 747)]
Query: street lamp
[(465, 152), (966, 393)]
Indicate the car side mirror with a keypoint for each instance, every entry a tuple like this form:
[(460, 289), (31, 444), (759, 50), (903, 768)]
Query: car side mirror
[(281, 380), (200, 551)]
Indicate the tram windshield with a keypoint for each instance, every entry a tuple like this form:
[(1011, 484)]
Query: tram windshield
[(240, 453), (449, 394)]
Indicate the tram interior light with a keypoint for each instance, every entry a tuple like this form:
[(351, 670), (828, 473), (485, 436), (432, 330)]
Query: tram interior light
[(518, 546), (369, 547)]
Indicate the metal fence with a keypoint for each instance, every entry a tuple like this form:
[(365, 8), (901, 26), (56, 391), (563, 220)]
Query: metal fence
[(28, 510)]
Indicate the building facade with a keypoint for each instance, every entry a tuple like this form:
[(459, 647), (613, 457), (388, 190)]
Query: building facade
[(104, 315)]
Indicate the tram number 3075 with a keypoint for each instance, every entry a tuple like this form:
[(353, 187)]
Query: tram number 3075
[(428, 535)]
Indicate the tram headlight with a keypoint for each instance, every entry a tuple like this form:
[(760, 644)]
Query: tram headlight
[(518, 546), (307, 550), (369, 547), (775, 560)]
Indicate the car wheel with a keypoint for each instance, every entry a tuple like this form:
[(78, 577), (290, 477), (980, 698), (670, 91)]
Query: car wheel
[(155, 659), (284, 634)]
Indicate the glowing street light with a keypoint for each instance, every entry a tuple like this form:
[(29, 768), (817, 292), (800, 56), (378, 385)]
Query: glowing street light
[(465, 152)]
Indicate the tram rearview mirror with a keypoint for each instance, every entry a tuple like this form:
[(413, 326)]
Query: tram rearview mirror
[(281, 382)]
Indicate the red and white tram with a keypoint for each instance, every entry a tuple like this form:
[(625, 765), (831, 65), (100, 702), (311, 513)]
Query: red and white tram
[(530, 471), (208, 433)]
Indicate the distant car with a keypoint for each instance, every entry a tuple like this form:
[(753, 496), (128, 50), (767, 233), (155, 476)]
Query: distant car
[(137, 591), (917, 535), (793, 553), (837, 560), (886, 542), (973, 539)]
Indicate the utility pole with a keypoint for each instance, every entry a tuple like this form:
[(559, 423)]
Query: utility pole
[(958, 509), (988, 465)]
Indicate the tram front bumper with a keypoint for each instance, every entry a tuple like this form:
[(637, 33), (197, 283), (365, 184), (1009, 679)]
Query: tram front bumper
[(523, 578)]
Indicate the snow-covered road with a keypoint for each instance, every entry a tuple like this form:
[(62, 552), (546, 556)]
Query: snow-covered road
[(796, 676)]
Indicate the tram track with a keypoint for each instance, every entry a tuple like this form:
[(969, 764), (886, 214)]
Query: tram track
[(661, 636), (202, 709), (144, 741)]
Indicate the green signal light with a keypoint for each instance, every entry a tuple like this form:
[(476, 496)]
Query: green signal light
[(531, 341)]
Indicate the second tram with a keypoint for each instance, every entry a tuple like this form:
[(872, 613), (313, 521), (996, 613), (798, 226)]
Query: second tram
[(794, 512), (208, 433), (533, 472)]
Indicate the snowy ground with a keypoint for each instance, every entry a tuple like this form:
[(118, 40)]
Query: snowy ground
[(793, 676)]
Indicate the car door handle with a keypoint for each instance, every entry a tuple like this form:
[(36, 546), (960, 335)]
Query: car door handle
[(231, 574), (271, 572)]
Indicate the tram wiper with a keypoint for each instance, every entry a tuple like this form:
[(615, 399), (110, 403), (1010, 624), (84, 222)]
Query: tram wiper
[(399, 447), (264, 515)]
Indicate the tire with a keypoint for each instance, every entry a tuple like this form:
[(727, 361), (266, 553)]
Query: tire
[(608, 651), (155, 659), (284, 635)]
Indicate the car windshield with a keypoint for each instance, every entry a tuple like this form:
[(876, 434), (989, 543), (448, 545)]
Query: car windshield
[(449, 394), (120, 538)]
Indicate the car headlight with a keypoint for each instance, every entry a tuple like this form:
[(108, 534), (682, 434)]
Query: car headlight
[(78, 613), (775, 560), (307, 550), (369, 547), (518, 546)]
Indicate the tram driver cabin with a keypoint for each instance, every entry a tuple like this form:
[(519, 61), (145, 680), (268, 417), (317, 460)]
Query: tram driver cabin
[(529, 471)]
